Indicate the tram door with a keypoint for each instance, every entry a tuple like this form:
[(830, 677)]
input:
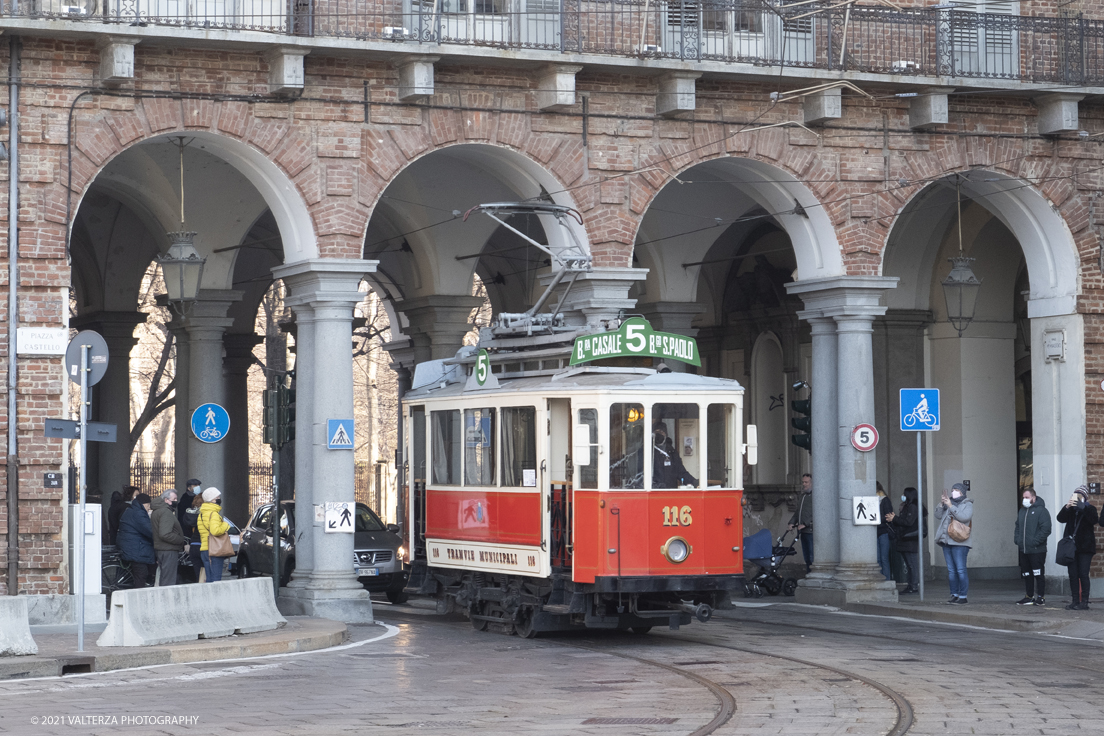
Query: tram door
[(417, 479), (556, 493)]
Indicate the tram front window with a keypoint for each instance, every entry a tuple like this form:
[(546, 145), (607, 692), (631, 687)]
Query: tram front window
[(626, 446), (446, 447), (479, 455), (519, 446), (675, 445), (588, 474), (720, 425)]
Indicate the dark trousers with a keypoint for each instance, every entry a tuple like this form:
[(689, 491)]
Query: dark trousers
[(143, 573), (1033, 567), (1079, 577), (912, 562), (807, 550), (167, 563)]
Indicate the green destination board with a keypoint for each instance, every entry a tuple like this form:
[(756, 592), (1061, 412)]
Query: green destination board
[(635, 338)]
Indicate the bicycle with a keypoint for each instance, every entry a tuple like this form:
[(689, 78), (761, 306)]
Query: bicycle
[(115, 573), (923, 417)]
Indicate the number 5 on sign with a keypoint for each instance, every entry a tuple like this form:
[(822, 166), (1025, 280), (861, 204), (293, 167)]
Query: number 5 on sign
[(864, 437)]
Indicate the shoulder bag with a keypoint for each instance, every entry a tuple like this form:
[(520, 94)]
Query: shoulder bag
[(959, 531), (219, 545), (1066, 554)]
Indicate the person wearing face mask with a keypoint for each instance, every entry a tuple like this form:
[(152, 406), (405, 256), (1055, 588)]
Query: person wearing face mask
[(1080, 518), (955, 506), (1032, 530), (907, 523), (886, 532), (802, 520), (667, 468)]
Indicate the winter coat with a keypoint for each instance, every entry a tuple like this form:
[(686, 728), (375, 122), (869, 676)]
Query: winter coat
[(135, 538), (114, 513), (210, 522), (963, 511), (1032, 528), (804, 513), (885, 507), (187, 515), (1085, 537), (167, 534), (908, 528)]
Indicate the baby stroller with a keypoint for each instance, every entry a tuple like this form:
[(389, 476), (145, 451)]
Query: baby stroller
[(758, 549)]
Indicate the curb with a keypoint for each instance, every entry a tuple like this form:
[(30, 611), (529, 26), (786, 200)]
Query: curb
[(958, 616), (301, 635)]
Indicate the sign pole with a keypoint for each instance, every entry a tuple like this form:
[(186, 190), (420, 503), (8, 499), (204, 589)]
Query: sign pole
[(920, 546), (78, 548), (276, 510)]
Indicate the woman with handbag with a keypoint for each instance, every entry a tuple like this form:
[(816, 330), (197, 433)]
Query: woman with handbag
[(213, 535), (1080, 518), (907, 523), (954, 517)]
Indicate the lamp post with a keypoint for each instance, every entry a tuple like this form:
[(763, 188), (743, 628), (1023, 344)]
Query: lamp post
[(960, 289), (182, 266)]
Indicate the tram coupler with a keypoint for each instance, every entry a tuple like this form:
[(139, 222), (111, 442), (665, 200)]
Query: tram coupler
[(702, 611)]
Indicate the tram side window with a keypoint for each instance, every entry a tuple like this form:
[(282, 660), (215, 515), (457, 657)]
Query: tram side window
[(417, 444), (626, 446), (588, 474), (719, 421), (519, 446), (479, 447), (446, 447), (676, 446)]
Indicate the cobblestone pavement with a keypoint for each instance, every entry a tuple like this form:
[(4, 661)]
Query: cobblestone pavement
[(790, 669)]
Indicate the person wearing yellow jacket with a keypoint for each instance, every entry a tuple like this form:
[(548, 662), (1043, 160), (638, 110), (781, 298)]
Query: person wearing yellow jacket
[(211, 522)]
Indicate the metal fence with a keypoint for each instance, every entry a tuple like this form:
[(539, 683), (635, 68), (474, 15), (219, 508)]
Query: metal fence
[(154, 478), (939, 41)]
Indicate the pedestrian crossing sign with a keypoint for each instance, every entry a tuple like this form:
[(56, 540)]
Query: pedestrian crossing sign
[(339, 434)]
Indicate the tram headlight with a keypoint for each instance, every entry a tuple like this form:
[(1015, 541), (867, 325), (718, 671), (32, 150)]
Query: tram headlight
[(676, 550)]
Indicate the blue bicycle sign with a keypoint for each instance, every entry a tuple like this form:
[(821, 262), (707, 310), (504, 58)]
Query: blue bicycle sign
[(210, 423), (919, 410)]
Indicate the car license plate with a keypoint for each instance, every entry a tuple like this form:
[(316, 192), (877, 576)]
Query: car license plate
[(367, 572)]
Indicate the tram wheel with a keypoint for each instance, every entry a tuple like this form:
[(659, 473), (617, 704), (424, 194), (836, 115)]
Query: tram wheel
[(479, 624), (789, 586), (523, 624)]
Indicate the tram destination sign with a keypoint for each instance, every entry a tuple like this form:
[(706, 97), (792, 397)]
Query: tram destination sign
[(635, 338)]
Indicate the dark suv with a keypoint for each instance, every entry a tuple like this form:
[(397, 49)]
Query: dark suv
[(379, 558)]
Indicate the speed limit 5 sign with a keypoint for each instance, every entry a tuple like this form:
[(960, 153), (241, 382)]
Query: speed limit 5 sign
[(864, 437)]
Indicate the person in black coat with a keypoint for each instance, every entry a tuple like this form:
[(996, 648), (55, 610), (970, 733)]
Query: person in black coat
[(907, 523), (885, 509), (1080, 518), (119, 503), (136, 541)]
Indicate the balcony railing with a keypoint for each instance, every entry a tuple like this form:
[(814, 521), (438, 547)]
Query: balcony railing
[(927, 42)]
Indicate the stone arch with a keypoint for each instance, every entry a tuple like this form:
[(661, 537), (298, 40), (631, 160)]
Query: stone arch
[(267, 154)]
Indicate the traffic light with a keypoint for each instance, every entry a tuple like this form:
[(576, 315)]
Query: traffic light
[(285, 402), (270, 416), (803, 423)]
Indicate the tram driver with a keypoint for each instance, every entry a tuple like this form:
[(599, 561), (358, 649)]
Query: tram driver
[(667, 468)]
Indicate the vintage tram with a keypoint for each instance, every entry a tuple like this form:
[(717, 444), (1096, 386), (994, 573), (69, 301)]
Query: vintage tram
[(581, 483)]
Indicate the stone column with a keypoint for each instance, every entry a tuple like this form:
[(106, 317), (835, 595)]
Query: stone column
[(825, 459), (109, 462), (852, 302), (206, 322), (597, 295), (181, 466), (323, 293), (437, 324), (239, 357)]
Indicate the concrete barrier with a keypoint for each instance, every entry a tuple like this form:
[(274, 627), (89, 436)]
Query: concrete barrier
[(62, 609), (150, 616), (15, 629)]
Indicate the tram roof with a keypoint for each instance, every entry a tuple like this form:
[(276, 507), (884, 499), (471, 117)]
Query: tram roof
[(580, 378)]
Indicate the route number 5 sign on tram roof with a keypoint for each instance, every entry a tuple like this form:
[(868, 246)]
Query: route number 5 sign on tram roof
[(919, 410)]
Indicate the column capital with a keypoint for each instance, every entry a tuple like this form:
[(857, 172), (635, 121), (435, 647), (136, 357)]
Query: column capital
[(436, 324), (321, 282), (672, 316), (239, 352), (208, 312), (116, 328), (840, 296), (599, 294)]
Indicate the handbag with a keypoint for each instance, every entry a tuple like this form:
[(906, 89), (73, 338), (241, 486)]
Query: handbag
[(218, 545), (958, 531), (1066, 553)]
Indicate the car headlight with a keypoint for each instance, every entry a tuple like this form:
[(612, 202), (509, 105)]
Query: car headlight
[(676, 550), (402, 553)]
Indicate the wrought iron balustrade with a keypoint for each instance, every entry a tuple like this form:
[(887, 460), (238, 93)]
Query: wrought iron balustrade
[(954, 43)]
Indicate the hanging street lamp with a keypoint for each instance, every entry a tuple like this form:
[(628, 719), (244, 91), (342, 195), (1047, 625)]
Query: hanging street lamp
[(961, 286), (182, 266)]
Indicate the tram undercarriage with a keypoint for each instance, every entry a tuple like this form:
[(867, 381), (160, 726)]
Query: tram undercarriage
[(526, 606)]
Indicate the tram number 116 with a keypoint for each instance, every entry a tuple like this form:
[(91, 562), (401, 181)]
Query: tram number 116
[(674, 516)]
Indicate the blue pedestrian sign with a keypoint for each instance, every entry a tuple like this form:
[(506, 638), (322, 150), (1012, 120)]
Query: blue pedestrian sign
[(919, 410), (339, 434), (210, 423)]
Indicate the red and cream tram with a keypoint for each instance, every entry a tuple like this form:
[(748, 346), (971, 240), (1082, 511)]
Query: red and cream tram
[(551, 488)]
